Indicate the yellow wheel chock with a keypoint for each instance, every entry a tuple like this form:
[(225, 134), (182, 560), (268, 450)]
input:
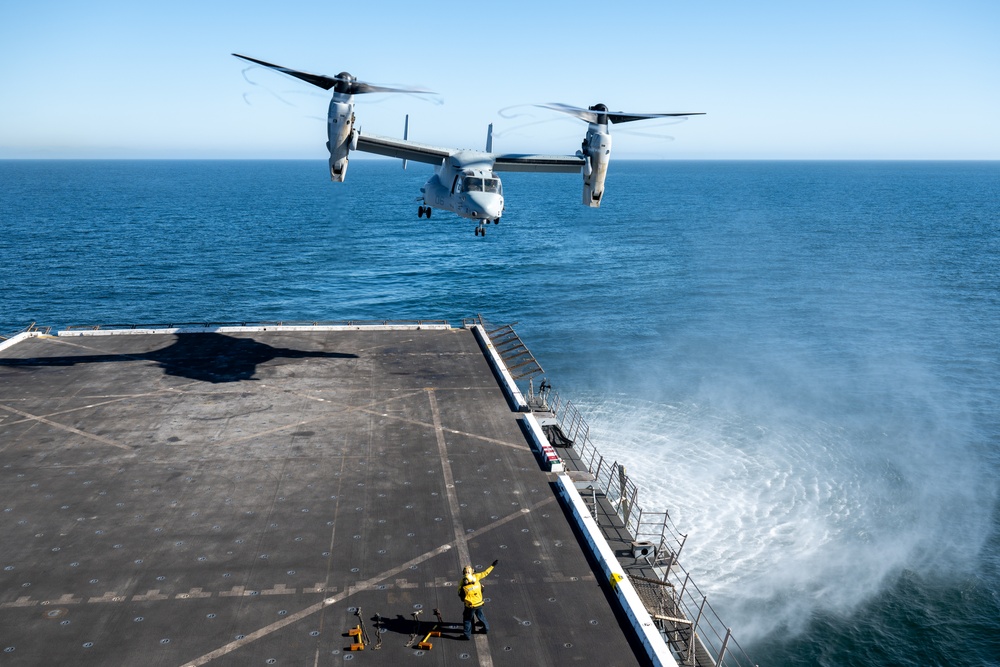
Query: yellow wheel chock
[(358, 634)]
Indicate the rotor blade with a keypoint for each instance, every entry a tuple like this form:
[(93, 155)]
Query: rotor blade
[(583, 114), (361, 87), (324, 82), (593, 115), (621, 117), (342, 83)]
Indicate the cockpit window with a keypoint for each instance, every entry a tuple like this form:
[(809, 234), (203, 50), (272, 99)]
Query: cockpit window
[(476, 184)]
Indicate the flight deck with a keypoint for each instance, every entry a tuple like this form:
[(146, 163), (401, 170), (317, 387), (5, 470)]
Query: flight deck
[(309, 494), (236, 498)]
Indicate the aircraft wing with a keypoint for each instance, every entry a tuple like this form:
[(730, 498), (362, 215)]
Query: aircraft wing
[(402, 148), (405, 149), (566, 164)]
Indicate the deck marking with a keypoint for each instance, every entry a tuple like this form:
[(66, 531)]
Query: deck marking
[(361, 586), (116, 399), (449, 483), (329, 561), (156, 595), (495, 441), (417, 422), (64, 427), (461, 541), (344, 409)]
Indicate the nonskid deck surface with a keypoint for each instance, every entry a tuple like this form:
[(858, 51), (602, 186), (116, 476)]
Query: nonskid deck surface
[(232, 498)]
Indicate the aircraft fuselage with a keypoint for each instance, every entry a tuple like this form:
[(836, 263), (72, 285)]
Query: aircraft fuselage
[(466, 185)]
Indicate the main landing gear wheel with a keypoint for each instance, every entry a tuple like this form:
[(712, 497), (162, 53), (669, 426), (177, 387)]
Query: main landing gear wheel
[(424, 210)]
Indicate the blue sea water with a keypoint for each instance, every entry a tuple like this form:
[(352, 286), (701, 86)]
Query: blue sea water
[(800, 360)]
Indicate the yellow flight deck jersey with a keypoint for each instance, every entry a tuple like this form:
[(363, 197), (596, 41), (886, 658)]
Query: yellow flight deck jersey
[(471, 590)]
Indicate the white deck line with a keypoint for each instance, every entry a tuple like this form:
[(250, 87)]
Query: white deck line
[(255, 329), (14, 340), (649, 635)]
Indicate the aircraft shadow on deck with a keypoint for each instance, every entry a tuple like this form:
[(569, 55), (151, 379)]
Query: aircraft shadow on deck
[(208, 357)]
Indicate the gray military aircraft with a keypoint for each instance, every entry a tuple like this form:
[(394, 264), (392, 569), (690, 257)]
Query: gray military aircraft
[(465, 181)]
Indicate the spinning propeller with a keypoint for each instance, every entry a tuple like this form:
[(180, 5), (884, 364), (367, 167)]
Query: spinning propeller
[(343, 83), (600, 115)]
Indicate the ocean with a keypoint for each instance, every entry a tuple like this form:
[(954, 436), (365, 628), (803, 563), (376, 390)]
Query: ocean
[(800, 360)]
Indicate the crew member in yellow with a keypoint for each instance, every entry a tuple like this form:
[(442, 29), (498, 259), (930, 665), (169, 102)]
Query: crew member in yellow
[(471, 592)]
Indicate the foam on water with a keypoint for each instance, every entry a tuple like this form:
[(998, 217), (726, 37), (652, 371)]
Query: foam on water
[(792, 511)]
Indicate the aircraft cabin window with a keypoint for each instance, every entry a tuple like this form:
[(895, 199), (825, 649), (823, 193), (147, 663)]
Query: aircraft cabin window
[(493, 185), (472, 184)]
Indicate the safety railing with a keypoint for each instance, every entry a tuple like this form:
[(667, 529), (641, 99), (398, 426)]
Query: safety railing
[(31, 328), (516, 356), (693, 629)]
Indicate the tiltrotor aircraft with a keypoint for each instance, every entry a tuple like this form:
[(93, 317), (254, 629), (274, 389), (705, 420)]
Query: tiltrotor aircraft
[(465, 181)]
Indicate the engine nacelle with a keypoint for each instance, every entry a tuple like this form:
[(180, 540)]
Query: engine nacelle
[(340, 131), (597, 151)]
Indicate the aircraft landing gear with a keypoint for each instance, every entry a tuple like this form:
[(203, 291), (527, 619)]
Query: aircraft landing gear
[(481, 229), (424, 210)]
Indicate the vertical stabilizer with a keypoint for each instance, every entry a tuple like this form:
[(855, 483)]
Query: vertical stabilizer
[(489, 138), (406, 133)]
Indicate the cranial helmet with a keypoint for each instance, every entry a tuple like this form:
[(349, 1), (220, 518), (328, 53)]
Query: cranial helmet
[(468, 570)]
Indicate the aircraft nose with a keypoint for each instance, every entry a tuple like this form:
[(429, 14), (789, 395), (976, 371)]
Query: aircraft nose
[(486, 205)]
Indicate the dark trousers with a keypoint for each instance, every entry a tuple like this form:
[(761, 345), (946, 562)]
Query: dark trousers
[(469, 615)]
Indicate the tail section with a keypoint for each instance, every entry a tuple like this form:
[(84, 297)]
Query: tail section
[(406, 134)]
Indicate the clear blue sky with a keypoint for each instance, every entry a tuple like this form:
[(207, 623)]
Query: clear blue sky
[(886, 80)]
